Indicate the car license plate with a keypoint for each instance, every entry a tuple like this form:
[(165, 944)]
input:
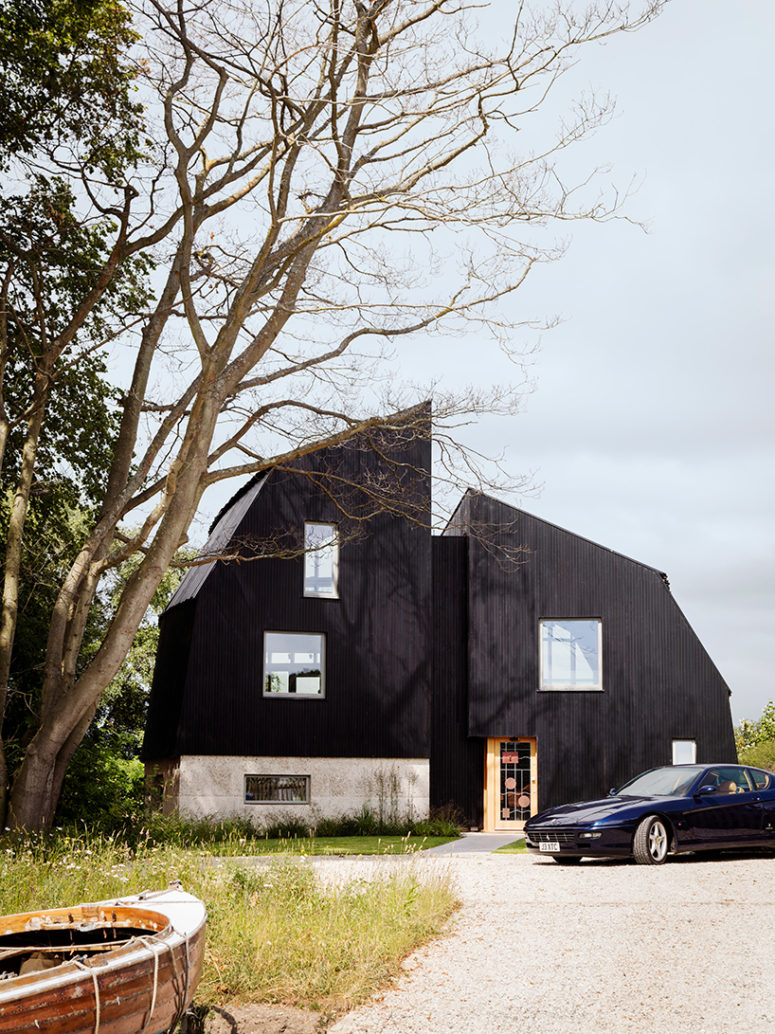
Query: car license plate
[(549, 845)]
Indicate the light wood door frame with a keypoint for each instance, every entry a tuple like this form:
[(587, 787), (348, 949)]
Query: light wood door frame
[(492, 820)]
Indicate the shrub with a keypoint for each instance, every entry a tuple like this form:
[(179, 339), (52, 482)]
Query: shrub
[(284, 829), (761, 755)]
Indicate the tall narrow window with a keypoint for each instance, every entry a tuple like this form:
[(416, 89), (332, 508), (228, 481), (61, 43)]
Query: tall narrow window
[(571, 653), (321, 560), (293, 664)]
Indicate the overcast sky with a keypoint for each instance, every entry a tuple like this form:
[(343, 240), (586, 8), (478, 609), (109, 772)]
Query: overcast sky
[(651, 424), (650, 427)]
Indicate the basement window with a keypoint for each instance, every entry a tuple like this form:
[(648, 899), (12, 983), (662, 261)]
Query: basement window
[(321, 560), (277, 789), (571, 654), (294, 664)]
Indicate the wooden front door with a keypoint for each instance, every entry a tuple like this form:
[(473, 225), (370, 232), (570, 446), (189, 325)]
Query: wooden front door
[(510, 783)]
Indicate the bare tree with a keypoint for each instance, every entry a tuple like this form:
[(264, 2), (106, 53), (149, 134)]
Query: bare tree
[(330, 181)]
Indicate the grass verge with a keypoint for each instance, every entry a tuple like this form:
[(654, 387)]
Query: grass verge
[(333, 845), (276, 933), (516, 847)]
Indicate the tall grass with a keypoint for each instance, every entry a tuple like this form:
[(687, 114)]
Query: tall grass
[(275, 932), (284, 937), (155, 828)]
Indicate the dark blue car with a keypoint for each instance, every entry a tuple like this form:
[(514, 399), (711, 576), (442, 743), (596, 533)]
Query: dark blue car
[(666, 810)]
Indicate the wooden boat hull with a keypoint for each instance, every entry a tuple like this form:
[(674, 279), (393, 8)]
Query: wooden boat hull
[(141, 983)]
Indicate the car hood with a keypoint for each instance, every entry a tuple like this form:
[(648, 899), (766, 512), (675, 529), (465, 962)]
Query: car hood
[(587, 812)]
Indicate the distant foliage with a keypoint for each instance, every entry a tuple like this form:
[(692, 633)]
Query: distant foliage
[(755, 741)]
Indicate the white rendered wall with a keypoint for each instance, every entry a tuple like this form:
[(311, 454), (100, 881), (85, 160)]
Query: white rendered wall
[(214, 786)]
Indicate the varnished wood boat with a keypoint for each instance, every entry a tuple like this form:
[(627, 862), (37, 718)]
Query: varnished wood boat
[(127, 966)]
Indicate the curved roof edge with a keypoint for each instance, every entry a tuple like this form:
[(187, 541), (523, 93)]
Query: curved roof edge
[(222, 530)]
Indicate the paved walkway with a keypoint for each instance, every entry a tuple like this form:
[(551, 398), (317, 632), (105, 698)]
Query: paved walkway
[(475, 843)]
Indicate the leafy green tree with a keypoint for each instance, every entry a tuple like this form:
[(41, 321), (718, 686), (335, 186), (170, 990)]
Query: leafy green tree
[(755, 741), (63, 83), (69, 131)]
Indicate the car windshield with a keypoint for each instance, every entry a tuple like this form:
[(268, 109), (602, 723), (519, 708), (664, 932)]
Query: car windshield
[(662, 782)]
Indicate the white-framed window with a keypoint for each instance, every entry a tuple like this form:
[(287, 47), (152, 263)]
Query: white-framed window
[(277, 789), (294, 664), (684, 752), (321, 560), (571, 654)]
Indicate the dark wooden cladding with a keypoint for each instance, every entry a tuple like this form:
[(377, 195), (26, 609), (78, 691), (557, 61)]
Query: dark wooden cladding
[(659, 684), (377, 633), (457, 758), (432, 647), (169, 681)]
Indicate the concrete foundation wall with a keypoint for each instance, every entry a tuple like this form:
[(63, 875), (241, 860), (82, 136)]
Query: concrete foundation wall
[(214, 786)]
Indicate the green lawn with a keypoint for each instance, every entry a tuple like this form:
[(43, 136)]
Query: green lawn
[(516, 847), (335, 845)]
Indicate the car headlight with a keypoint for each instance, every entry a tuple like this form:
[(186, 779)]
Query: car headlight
[(589, 836)]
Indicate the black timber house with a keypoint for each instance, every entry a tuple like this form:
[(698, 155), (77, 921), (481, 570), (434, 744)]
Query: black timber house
[(334, 653)]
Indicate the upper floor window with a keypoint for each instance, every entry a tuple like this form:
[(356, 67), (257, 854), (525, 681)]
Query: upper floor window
[(571, 653), (684, 752), (321, 560), (293, 664)]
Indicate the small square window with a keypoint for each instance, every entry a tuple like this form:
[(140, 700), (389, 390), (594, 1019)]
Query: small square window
[(684, 752), (277, 789), (571, 653), (293, 664), (321, 560)]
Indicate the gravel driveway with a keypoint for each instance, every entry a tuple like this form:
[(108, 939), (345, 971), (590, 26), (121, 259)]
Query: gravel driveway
[(683, 948)]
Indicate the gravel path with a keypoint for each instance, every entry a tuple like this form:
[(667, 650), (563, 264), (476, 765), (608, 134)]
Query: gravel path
[(604, 948)]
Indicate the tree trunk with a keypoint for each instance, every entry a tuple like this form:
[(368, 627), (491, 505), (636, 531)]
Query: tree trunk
[(35, 794), (69, 705), (13, 555), (30, 802)]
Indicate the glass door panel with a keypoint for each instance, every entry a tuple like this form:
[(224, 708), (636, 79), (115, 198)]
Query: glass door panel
[(510, 782), (515, 797)]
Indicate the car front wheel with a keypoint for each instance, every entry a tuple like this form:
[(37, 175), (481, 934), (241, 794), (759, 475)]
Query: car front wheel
[(651, 842)]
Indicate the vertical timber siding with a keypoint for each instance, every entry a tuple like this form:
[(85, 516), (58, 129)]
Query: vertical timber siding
[(433, 645), (169, 682), (457, 760), (658, 682), (377, 634)]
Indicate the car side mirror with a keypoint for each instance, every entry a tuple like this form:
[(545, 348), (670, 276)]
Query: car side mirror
[(612, 792), (707, 789)]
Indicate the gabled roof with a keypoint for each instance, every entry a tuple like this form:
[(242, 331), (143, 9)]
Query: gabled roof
[(222, 531), (458, 525), (227, 522)]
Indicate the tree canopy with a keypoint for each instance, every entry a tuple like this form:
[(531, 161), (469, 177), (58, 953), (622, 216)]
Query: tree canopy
[(64, 78), (755, 740)]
